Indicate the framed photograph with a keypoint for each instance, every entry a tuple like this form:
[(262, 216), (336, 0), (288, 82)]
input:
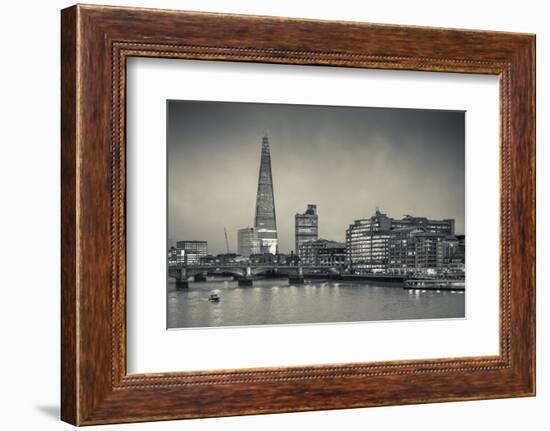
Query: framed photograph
[(267, 215), (296, 191)]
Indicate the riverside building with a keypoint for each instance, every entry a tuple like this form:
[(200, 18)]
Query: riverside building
[(381, 243), (306, 227), (323, 252), (417, 250), (190, 252)]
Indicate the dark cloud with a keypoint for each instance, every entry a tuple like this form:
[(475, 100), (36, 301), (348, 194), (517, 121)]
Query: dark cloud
[(346, 160)]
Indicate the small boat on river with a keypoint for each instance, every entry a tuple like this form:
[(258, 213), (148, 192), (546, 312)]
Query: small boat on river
[(214, 297), (434, 285)]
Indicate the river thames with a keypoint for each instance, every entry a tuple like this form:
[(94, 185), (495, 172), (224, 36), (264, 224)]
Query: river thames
[(275, 302)]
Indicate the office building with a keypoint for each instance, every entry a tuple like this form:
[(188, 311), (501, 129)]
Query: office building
[(248, 241), (415, 250), (306, 227), (323, 252), (332, 255), (379, 243), (192, 251), (367, 243), (175, 257)]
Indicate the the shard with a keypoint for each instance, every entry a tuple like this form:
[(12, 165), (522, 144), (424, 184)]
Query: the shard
[(265, 221)]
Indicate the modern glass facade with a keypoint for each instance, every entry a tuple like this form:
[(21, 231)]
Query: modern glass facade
[(248, 241), (381, 243), (306, 227), (367, 243), (176, 257), (417, 250), (192, 251), (265, 221)]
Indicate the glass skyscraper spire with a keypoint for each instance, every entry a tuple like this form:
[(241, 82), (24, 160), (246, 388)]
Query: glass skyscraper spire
[(265, 221)]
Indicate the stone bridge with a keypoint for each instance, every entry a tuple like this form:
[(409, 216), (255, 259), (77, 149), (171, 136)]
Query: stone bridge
[(246, 273)]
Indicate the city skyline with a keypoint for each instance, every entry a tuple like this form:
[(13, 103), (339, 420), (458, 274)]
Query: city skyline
[(378, 157)]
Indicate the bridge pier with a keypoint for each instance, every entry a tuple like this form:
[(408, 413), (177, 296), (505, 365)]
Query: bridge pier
[(245, 281), (297, 279), (181, 280), (182, 284)]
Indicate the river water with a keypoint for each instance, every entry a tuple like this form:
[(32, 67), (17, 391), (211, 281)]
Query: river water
[(274, 302)]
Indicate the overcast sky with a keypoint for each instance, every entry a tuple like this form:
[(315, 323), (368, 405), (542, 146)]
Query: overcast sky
[(347, 160)]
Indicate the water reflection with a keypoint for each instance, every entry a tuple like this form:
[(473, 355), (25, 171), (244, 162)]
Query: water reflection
[(277, 302)]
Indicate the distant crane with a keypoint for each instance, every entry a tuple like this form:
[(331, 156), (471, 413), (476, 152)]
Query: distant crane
[(226, 240)]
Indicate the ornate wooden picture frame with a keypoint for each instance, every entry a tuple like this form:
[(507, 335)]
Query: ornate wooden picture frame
[(96, 41)]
